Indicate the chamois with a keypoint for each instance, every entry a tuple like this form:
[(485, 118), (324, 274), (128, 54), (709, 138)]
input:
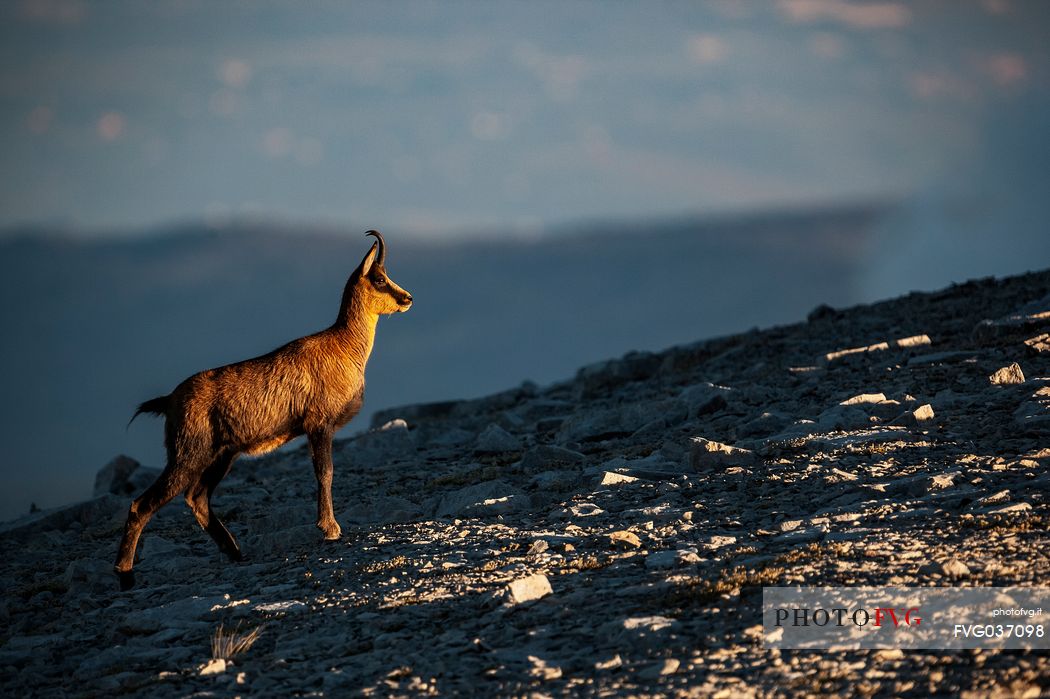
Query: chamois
[(311, 386)]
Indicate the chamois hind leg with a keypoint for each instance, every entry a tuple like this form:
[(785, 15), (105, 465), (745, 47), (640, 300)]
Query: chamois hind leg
[(170, 482), (198, 497), (321, 448)]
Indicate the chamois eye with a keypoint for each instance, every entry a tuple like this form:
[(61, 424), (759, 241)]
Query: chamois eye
[(380, 281)]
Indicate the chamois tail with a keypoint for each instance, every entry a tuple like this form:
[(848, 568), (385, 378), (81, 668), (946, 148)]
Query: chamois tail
[(154, 406)]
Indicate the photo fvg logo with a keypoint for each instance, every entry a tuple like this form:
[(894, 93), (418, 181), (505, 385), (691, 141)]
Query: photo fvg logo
[(878, 617), (945, 618)]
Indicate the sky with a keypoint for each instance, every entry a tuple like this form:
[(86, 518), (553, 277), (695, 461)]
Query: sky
[(434, 118)]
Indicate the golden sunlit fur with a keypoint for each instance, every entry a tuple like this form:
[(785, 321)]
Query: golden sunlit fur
[(311, 386)]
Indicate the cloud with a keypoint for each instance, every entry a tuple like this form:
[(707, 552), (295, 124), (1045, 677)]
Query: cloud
[(560, 74), (489, 126), (1006, 69), (868, 15), (281, 142), (996, 7), (53, 11), (235, 73), (224, 103), (927, 85), (374, 59), (731, 9), (826, 45), (40, 119), (111, 126), (705, 49)]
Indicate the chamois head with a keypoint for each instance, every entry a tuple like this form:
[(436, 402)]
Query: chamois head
[(375, 287)]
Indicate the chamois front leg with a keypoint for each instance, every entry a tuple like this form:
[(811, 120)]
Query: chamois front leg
[(321, 448)]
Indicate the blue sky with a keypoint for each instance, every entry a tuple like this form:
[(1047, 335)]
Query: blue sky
[(440, 117)]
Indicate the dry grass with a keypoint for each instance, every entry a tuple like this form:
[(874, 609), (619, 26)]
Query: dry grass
[(1006, 523), (701, 591), (813, 552), (587, 562), (395, 563), (731, 579), (226, 645)]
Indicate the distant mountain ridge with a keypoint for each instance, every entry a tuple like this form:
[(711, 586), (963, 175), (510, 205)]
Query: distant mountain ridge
[(98, 325)]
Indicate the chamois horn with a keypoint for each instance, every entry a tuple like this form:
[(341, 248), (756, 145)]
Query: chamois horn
[(382, 246)]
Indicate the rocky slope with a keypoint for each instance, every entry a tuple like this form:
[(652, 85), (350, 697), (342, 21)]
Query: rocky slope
[(595, 535)]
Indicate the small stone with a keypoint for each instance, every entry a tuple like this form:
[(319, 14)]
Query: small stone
[(546, 457), (659, 560), (1007, 509), (625, 539), (955, 568), (124, 476), (586, 509), (395, 424), (528, 589), (213, 667), (717, 541), (538, 547), (496, 440), (889, 654), (1008, 375), (662, 560), (542, 670), (913, 418), (941, 481), (1039, 343), (688, 557), (485, 498), (613, 478), (656, 670), (865, 398), (995, 498), (610, 664), (843, 417), (648, 624), (913, 341), (704, 398), (923, 412), (555, 481), (670, 666), (181, 612), (877, 347), (706, 453)]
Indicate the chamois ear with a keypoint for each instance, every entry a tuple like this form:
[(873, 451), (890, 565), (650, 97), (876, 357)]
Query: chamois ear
[(366, 264)]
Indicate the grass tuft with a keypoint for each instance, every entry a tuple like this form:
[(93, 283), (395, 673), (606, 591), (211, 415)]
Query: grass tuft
[(226, 645)]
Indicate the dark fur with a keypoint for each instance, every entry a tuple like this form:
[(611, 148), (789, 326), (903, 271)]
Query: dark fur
[(154, 406), (311, 386)]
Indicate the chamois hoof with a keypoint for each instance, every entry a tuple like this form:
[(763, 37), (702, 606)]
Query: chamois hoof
[(332, 533), (127, 580)]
